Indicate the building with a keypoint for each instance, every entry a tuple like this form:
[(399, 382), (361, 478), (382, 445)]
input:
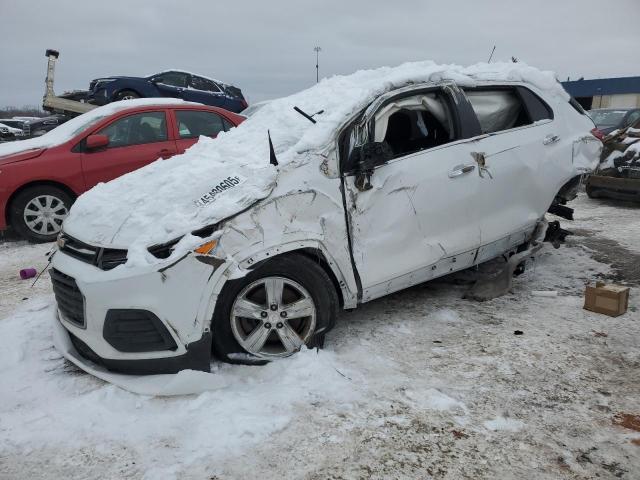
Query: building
[(605, 92)]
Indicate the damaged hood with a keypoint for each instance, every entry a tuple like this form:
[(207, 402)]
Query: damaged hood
[(170, 198)]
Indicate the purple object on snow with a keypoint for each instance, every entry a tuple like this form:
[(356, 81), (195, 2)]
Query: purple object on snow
[(28, 273)]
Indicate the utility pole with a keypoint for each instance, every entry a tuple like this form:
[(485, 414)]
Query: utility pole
[(317, 50)]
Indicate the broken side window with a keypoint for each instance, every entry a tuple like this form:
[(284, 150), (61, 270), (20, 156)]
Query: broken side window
[(415, 123)]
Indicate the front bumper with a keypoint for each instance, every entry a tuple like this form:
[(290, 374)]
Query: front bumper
[(178, 294), (197, 357)]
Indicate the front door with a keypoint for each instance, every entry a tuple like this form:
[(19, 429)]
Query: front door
[(134, 141), (416, 221), (172, 84)]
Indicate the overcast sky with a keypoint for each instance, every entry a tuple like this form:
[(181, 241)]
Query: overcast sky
[(266, 47)]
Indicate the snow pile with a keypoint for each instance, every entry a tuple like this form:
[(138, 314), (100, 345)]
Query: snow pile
[(45, 402), (159, 202)]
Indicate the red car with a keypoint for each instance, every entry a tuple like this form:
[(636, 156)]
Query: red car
[(40, 178)]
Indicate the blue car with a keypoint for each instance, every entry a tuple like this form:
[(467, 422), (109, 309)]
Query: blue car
[(173, 83)]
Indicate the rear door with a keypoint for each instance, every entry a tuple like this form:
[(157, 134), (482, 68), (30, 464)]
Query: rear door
[(416, 221), (135, 140), (191, 124), (516, 155)]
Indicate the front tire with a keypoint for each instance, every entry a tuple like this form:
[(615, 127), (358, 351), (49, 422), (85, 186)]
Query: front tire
[(286, 303), (37, 213), (127, 95)]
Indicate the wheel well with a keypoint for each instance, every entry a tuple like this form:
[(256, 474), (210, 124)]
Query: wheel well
[(317, 256), (38, 183)]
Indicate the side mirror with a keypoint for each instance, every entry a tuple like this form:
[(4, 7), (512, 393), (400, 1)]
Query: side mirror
[(155, 80), (97, 141), (369, 155), (364, 158)]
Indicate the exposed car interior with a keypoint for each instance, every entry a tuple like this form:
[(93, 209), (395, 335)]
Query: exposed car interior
[(415, 123)]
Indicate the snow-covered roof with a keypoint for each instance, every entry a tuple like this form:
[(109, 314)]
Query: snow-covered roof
[(159, 202), (69, 129)]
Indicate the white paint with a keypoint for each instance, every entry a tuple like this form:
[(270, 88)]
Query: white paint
[(417, 222)]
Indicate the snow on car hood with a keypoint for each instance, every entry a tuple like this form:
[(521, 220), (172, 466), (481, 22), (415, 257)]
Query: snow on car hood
[(215, 179), (76, 125)]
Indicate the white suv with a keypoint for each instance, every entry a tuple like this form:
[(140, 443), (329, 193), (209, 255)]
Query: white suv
[(248, 245)]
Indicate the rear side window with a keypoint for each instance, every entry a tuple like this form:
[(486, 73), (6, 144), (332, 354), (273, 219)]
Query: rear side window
[(147, 127), (503, 108), (497, 110), (203, 84), (193, 123), (574, 103), (536, 107)]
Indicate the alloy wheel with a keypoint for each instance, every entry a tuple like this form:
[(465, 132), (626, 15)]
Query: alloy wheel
[(273, 317)]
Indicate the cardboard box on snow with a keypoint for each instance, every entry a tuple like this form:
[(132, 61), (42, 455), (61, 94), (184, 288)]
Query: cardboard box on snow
[(611, 300)]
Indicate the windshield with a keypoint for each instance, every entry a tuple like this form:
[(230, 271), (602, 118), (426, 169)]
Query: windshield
[(607, 118)]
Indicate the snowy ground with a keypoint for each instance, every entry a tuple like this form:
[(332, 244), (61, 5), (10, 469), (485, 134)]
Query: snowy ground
[(420, 384)]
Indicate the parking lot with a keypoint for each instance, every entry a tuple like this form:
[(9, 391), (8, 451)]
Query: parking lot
[(419, 384)]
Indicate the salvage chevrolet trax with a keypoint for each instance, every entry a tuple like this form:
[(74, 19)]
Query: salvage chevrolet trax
[(246, 247)]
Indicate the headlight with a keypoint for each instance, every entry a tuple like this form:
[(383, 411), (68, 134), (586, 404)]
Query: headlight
[(207, 248)]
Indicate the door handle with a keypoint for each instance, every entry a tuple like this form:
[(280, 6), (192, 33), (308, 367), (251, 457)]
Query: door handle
[(551, 138), (165, 153), (461, 170)]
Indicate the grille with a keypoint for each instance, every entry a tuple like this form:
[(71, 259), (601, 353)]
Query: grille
[(103, 258), (69, 297)]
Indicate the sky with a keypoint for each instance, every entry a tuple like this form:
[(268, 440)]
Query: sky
[(267, 47)]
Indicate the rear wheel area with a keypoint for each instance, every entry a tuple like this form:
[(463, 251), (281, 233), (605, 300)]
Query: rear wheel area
[(284, 304), (37, 213)]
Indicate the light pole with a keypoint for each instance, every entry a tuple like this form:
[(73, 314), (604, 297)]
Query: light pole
[(317, 50)]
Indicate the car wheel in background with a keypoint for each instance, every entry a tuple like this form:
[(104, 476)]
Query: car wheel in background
[(37, 212), (127, 95), (286, 303)]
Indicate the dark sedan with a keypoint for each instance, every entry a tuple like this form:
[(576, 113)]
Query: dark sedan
[(174, 83), (609, 119)]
